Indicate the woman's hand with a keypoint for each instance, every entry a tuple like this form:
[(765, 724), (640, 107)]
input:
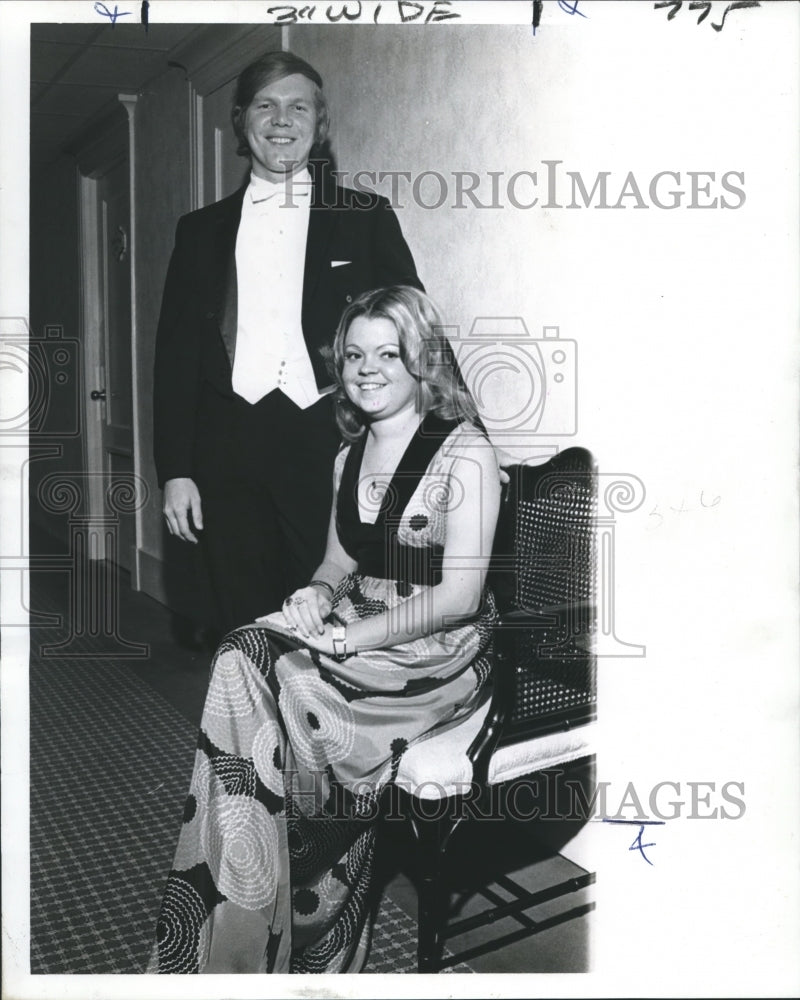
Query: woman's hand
[(306, 610), (322, 641)]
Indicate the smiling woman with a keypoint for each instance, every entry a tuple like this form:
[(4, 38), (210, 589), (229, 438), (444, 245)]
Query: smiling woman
[(310, 710), (374, 376), (404, 323)]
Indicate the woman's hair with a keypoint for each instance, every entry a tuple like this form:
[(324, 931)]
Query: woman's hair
[(271, 67), (424, 350)]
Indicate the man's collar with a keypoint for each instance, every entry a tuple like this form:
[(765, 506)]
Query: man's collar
[(261, 190)]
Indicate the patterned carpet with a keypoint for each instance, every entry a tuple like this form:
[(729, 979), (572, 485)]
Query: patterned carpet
[(110, 765)]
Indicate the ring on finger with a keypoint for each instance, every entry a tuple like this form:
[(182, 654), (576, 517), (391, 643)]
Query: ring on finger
[(288, 601), (299, 600)]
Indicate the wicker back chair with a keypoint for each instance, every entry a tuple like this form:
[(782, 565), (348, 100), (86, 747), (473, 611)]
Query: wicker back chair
[(543, 696)]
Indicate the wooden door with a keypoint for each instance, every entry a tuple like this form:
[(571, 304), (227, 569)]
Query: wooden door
[(222, 170), (114, 391)]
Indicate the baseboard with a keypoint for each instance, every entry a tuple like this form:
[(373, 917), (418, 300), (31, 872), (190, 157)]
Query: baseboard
[(152, 577)]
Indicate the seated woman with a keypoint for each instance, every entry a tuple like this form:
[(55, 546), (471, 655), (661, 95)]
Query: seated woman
[(310, 709)]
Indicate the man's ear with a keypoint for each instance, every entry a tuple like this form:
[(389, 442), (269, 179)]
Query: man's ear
[(323, 125)]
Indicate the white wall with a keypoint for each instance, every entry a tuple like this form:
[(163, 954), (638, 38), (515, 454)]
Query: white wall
[(686, 327)]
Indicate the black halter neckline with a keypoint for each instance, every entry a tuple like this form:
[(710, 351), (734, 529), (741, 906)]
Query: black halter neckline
[(375, 546)]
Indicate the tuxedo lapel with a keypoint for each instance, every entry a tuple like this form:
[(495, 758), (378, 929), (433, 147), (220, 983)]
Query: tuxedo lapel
[(225, 297), (320, 229)]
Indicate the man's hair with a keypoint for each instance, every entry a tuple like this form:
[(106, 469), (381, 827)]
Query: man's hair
[(424, 350), (268, 68)]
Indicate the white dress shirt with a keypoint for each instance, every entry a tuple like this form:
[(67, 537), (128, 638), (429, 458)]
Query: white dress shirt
[(270, 351)]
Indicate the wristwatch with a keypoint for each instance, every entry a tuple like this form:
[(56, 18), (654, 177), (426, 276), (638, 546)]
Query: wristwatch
[(339, 636)]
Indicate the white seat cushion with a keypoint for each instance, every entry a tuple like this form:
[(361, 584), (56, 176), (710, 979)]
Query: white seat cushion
[(438, 767)]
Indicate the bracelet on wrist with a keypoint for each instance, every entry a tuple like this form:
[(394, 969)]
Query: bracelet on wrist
[(322, 583)]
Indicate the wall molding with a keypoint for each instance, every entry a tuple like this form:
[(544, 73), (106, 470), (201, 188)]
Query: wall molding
[(195, 147), (128, 101), (102, 145), (217, 53)]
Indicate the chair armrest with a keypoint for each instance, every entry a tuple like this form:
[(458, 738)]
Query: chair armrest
[(527, 617), (559, 616), (548, 615)]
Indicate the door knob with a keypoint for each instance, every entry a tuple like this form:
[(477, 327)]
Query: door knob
[(98, 394)]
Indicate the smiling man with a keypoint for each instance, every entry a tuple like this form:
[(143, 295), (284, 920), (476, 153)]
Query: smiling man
[(244, 431)]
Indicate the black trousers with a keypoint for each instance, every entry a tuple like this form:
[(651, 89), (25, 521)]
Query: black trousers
[(265, 475)]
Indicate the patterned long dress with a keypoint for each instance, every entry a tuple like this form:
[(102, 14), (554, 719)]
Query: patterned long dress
[(274, 864)]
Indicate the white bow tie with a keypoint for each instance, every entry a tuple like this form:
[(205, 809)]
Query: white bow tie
[(286, 195)]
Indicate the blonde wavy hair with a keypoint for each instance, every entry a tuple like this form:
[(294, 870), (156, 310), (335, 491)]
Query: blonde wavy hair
[(424, 350)]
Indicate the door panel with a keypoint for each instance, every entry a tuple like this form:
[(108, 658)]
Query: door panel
[(116, 369), (223, 170), (115, 216)]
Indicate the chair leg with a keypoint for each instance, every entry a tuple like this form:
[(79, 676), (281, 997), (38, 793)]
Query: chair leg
[(431, 835)]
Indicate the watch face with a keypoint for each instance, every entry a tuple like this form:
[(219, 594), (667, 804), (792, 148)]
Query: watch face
[(339, 636)]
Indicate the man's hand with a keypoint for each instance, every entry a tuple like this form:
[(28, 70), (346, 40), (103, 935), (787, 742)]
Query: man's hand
[(504, 460), (181, 497)]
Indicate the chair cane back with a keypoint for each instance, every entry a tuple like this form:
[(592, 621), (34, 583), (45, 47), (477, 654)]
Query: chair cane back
[(543, 690)]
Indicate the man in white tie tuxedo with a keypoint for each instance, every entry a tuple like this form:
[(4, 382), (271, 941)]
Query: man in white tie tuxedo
[(244, 433)]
